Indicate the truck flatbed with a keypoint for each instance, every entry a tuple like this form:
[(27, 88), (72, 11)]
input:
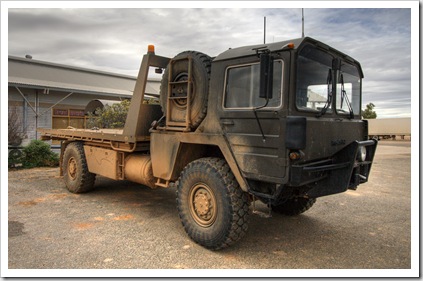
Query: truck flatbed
[(135, 136), (109, 137), (90, 134)]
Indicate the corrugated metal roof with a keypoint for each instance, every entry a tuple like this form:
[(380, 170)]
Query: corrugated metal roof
[(34, 73), (34, 83)]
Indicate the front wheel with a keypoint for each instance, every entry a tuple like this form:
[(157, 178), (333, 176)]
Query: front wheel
[(212, 207)]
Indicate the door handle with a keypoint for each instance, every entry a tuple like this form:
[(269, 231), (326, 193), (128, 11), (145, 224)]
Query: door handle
[(227, 122)]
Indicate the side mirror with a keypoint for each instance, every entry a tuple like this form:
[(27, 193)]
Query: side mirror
[(266, 76)]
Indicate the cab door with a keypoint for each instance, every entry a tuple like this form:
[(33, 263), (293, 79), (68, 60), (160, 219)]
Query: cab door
[(254, 126)]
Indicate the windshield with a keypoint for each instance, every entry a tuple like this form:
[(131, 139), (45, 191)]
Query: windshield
[(314, 83), (348, 90)]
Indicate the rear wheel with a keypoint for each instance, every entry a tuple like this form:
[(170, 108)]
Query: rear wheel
[(294, 206), (75, 169), (212, 207)]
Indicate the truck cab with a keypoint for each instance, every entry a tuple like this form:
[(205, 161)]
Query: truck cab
[(303, 135)]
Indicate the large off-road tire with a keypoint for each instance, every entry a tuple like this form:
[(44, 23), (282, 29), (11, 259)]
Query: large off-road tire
[(201, 64), (75, 169), (294, 206), (212, 207)]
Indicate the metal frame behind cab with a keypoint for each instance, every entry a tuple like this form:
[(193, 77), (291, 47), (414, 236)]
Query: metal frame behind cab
[(135, 118)]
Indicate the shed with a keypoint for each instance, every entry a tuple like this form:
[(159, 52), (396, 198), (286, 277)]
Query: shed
[(49, 95)]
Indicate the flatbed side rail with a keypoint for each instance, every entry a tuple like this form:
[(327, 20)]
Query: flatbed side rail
[(111, 138)]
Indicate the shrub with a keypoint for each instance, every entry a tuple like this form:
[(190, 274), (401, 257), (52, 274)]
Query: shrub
[(111, 116), (15, 158), (39, 154)]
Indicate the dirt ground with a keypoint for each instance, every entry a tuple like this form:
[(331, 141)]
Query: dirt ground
[(122, 225)]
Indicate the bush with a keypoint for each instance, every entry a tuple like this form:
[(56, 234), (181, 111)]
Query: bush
[(111, 116), (16, 158), (39, 154)]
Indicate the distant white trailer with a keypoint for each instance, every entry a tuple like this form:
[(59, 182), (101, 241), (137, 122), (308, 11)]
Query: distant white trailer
[(389, 128)]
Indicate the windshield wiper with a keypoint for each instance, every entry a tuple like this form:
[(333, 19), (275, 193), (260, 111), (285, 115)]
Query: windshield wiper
[(345, 96), (329, 100)]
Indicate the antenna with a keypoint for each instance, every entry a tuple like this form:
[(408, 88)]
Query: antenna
[(302, 10), (264, 40)]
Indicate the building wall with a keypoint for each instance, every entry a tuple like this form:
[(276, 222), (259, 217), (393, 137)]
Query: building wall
[(26, 117), (36, 89)]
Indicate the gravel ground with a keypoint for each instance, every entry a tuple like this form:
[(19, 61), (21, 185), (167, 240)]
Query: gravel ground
[(122, 225)]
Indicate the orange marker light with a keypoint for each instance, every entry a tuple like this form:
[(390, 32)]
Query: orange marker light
[(291, 45), (294, 155), (151, 49)]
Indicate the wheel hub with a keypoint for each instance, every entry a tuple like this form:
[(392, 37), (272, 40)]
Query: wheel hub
[(72, 168), (180, 92), (203, 205)]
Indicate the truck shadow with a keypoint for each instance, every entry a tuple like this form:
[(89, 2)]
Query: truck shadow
[(264, 234), (280, 231), (139, 199), (276, 242)]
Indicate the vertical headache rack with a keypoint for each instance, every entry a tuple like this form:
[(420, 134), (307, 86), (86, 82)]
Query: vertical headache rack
[(178, 98)]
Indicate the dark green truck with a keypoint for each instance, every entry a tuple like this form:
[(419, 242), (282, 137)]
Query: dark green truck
[(280, 123)]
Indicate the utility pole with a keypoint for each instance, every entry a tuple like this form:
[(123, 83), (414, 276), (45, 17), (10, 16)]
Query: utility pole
[(264, 40), (302, 10)]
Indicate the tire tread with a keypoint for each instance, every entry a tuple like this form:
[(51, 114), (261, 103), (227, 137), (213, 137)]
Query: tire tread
[(86, 180), (237, 220)]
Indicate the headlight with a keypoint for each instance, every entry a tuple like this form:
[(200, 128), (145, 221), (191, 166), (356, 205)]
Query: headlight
[(362, 153)]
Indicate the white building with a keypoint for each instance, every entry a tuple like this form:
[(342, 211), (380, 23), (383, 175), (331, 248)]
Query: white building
[(50, 95)]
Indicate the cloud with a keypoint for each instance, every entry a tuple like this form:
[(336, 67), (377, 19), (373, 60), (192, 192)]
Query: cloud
[(115, 39)]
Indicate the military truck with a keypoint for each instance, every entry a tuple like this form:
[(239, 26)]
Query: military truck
[(278, 122)]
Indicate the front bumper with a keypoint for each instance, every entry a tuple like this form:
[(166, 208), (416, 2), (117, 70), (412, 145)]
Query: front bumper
[(336, 174)]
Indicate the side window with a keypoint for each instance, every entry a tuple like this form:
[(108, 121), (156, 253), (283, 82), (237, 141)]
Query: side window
[(242, 86)]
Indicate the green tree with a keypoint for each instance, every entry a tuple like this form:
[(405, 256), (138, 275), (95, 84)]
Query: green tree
[(110, 116), (113, 116), (369, 113)]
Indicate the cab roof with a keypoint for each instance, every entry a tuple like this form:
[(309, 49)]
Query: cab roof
[(250, 50), (278, 46)]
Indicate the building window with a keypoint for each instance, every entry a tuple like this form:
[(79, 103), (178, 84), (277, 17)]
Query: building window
[(63, 118)]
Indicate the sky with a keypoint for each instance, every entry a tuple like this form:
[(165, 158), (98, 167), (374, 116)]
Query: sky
[(114, 39)]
